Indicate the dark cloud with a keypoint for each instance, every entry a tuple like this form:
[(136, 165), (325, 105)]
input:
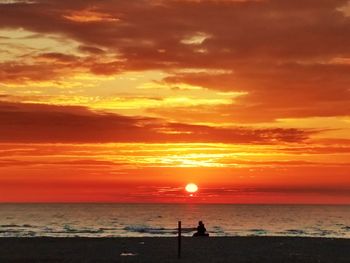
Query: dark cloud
[(44, 123)]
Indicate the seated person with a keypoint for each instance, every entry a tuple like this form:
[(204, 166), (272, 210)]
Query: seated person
[(201, 231)]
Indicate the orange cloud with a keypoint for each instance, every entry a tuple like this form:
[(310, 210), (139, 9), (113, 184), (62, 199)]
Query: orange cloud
[(283, 76), (89, 15)]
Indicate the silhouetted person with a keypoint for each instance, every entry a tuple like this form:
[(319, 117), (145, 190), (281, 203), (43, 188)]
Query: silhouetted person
[(201, 231)]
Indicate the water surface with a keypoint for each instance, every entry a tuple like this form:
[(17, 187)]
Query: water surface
[(120, 220)]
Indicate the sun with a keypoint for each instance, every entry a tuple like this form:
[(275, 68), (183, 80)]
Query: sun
[(191, 188)]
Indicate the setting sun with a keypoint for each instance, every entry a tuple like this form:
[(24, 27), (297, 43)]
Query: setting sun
[(191, 188)]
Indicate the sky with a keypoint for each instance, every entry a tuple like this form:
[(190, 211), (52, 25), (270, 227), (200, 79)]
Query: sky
[(128, 101)]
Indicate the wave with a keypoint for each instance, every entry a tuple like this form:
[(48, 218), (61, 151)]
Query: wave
[(69, 229), (347, 228), (258, 231), (149, 230), (156, 230), (14, 225), (145, 229), (10, 231), (294, 232)]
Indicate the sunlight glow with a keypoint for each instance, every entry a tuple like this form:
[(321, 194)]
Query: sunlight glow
[(191, 188)]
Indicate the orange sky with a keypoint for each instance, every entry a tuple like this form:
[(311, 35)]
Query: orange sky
[(128, 101)]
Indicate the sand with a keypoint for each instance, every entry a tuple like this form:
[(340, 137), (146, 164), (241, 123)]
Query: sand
[(212, 249)]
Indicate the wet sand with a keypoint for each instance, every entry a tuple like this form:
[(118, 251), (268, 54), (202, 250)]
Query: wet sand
[(213, 249)]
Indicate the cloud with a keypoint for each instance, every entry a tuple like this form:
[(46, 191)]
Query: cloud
[(278, 91), (330, 190), (71, 163), (89, 16), (281, 53), (8, 2), (44, 123), (54, 67), (91, 49), (317, 149)]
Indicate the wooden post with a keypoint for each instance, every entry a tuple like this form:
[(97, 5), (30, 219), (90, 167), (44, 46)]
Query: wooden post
[(179, 240)]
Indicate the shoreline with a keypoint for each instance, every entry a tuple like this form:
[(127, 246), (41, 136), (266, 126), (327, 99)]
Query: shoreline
[(164, 249)]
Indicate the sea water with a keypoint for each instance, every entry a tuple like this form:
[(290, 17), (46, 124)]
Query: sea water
[(135, 220)]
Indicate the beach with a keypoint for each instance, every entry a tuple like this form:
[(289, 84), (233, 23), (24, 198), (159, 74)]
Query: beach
[(164, 249)]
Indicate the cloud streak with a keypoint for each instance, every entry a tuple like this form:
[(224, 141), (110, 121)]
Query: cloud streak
[(43, 123)]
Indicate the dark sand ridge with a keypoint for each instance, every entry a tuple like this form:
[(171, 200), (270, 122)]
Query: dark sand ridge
[(213, 249)]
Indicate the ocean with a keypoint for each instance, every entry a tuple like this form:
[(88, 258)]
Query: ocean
[(137, 220)]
